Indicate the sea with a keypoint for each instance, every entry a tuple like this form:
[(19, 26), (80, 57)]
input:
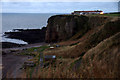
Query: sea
[(12, 21)]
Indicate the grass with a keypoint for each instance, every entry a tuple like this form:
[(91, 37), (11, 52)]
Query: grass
[(111, 15), (36, 53), (33, 51), (39, 49), (103, 60), (60, 69), (59, 52), (31, 71)]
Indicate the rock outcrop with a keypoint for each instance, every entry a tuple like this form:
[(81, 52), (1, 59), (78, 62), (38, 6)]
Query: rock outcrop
[(28, 35), (10, 45)]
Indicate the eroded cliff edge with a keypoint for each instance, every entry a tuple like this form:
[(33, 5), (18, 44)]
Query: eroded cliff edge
[(63, 27)]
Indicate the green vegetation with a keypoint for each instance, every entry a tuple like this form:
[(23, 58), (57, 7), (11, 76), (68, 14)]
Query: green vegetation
[(36, 53), (33, 51), (39, 49), (111, 15)]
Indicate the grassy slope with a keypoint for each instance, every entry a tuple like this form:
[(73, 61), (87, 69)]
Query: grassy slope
[(95, 63), (106, 31), (110, 15), (101, 57), (102, 60)]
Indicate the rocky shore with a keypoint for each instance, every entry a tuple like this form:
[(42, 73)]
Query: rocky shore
[(11, 45), (28, 35)]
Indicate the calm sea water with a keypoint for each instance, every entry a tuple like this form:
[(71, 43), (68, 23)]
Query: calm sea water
[(23, 21)]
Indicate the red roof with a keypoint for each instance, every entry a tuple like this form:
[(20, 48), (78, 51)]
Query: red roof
[(88, 11)]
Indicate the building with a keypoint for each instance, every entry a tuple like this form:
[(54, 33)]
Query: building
[(86, 12)]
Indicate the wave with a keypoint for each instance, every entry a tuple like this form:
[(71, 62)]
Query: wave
[(17, 41)]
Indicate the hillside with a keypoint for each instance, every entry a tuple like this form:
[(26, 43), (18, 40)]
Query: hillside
[(99, 28), (93, 45), (102, 60)]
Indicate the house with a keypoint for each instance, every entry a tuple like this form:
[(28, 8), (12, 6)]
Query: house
[(87, 12)]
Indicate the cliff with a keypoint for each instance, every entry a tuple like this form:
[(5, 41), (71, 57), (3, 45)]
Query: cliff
[(95, 52), (63, 27)]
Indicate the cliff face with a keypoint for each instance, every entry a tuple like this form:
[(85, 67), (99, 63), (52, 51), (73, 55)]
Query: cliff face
[(63, 27)]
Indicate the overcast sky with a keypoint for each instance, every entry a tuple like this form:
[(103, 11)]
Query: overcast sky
[(60, 0), (37, 6)]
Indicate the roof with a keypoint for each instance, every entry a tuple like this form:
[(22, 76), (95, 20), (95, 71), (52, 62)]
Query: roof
[(88, 11)]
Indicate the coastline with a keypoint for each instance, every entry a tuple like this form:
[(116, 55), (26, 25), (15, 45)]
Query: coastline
[(28, 35)]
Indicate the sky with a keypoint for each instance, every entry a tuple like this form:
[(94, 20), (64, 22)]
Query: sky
[(60, 0), (54, 6)]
